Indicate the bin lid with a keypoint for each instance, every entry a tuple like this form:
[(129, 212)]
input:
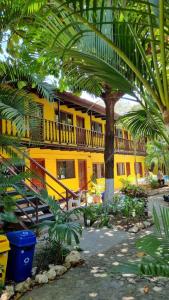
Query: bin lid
[(22, 238), (4, 244)]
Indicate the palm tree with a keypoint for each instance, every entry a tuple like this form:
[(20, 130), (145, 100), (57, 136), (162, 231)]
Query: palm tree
[(120, 45), (131, 36), (125, 39), (90, 72)]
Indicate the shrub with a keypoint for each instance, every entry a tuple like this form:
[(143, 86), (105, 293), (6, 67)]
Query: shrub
[(153, 182), (133, 190), (61, 230), (122, 206), (50, 253)]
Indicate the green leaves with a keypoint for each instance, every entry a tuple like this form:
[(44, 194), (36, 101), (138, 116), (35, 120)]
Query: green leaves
[(148, 244), (156, 248), (66, 232), (61, 229), (144, 122)]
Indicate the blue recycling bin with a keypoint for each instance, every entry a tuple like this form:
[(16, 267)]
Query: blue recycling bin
[(20, 259)]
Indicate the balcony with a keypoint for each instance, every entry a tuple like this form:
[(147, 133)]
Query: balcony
[(49, 134)]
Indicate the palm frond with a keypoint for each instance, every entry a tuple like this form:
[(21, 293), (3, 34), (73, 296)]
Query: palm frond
[(143, 123)]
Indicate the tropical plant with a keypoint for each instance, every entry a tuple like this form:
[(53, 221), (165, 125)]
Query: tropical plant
[(133, 208), (153, 182), (157, 155), (61, 229), (109, 49), (94, 42), (56, 254), (155, 247), (132, 190)]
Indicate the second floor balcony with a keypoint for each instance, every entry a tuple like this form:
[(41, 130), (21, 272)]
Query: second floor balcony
[(50, 134)]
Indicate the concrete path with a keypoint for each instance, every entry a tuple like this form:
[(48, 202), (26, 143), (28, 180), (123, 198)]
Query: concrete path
[(104, 248), (95, 240)]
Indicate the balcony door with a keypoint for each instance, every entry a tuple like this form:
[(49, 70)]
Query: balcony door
[(36, 122), (82, 172), (0, 126), (126, 140), (80, 131)]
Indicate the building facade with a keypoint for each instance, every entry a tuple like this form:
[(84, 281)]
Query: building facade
[(66, 137)]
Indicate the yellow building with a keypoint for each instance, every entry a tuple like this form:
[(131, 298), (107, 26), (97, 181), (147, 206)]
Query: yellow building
[(67, 140)]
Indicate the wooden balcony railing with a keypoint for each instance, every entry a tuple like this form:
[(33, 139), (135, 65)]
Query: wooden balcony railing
[(56, 134)]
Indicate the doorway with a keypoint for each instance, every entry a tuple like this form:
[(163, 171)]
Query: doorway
[(82, 171), (0, 126), (36, 124), (128, 169), (37, 182), (80, 131)]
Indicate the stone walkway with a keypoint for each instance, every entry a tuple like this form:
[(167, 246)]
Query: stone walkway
[(94, 280)]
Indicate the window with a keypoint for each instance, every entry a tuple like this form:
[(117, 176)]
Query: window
[(96, 127), (65, 118), (98, 170), (119, 133), (65, 169), (120, 169), (138, 168)]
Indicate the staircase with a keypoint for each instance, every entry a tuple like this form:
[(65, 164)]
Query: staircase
[(30, 207)]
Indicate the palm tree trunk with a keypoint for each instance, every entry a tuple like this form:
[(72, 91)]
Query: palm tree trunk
[(110, 100)]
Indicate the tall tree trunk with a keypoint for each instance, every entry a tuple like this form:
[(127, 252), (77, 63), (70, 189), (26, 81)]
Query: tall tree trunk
[(110, 100)]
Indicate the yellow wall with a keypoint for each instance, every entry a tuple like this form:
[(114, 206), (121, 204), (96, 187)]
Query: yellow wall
[(119, 158), (51, 156)]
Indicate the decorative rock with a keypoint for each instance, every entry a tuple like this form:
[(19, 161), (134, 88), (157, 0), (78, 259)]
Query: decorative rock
[(129, 275), (34, 271), (67, 265), (8, 293), (41, 278), (51, 274), (73, 258), (146, 224), (131, 280), (5, 296), (140, 225), (23, 286), (157, 289), (20, 287), (51, 266), (59, 270), (133, 229)]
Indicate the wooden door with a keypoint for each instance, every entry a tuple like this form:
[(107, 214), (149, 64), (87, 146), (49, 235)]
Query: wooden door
[(141, 170), (80, 131), (38, 182), (36, 124), (126, 141), (0, 126), (128, 169), (82, 171)]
